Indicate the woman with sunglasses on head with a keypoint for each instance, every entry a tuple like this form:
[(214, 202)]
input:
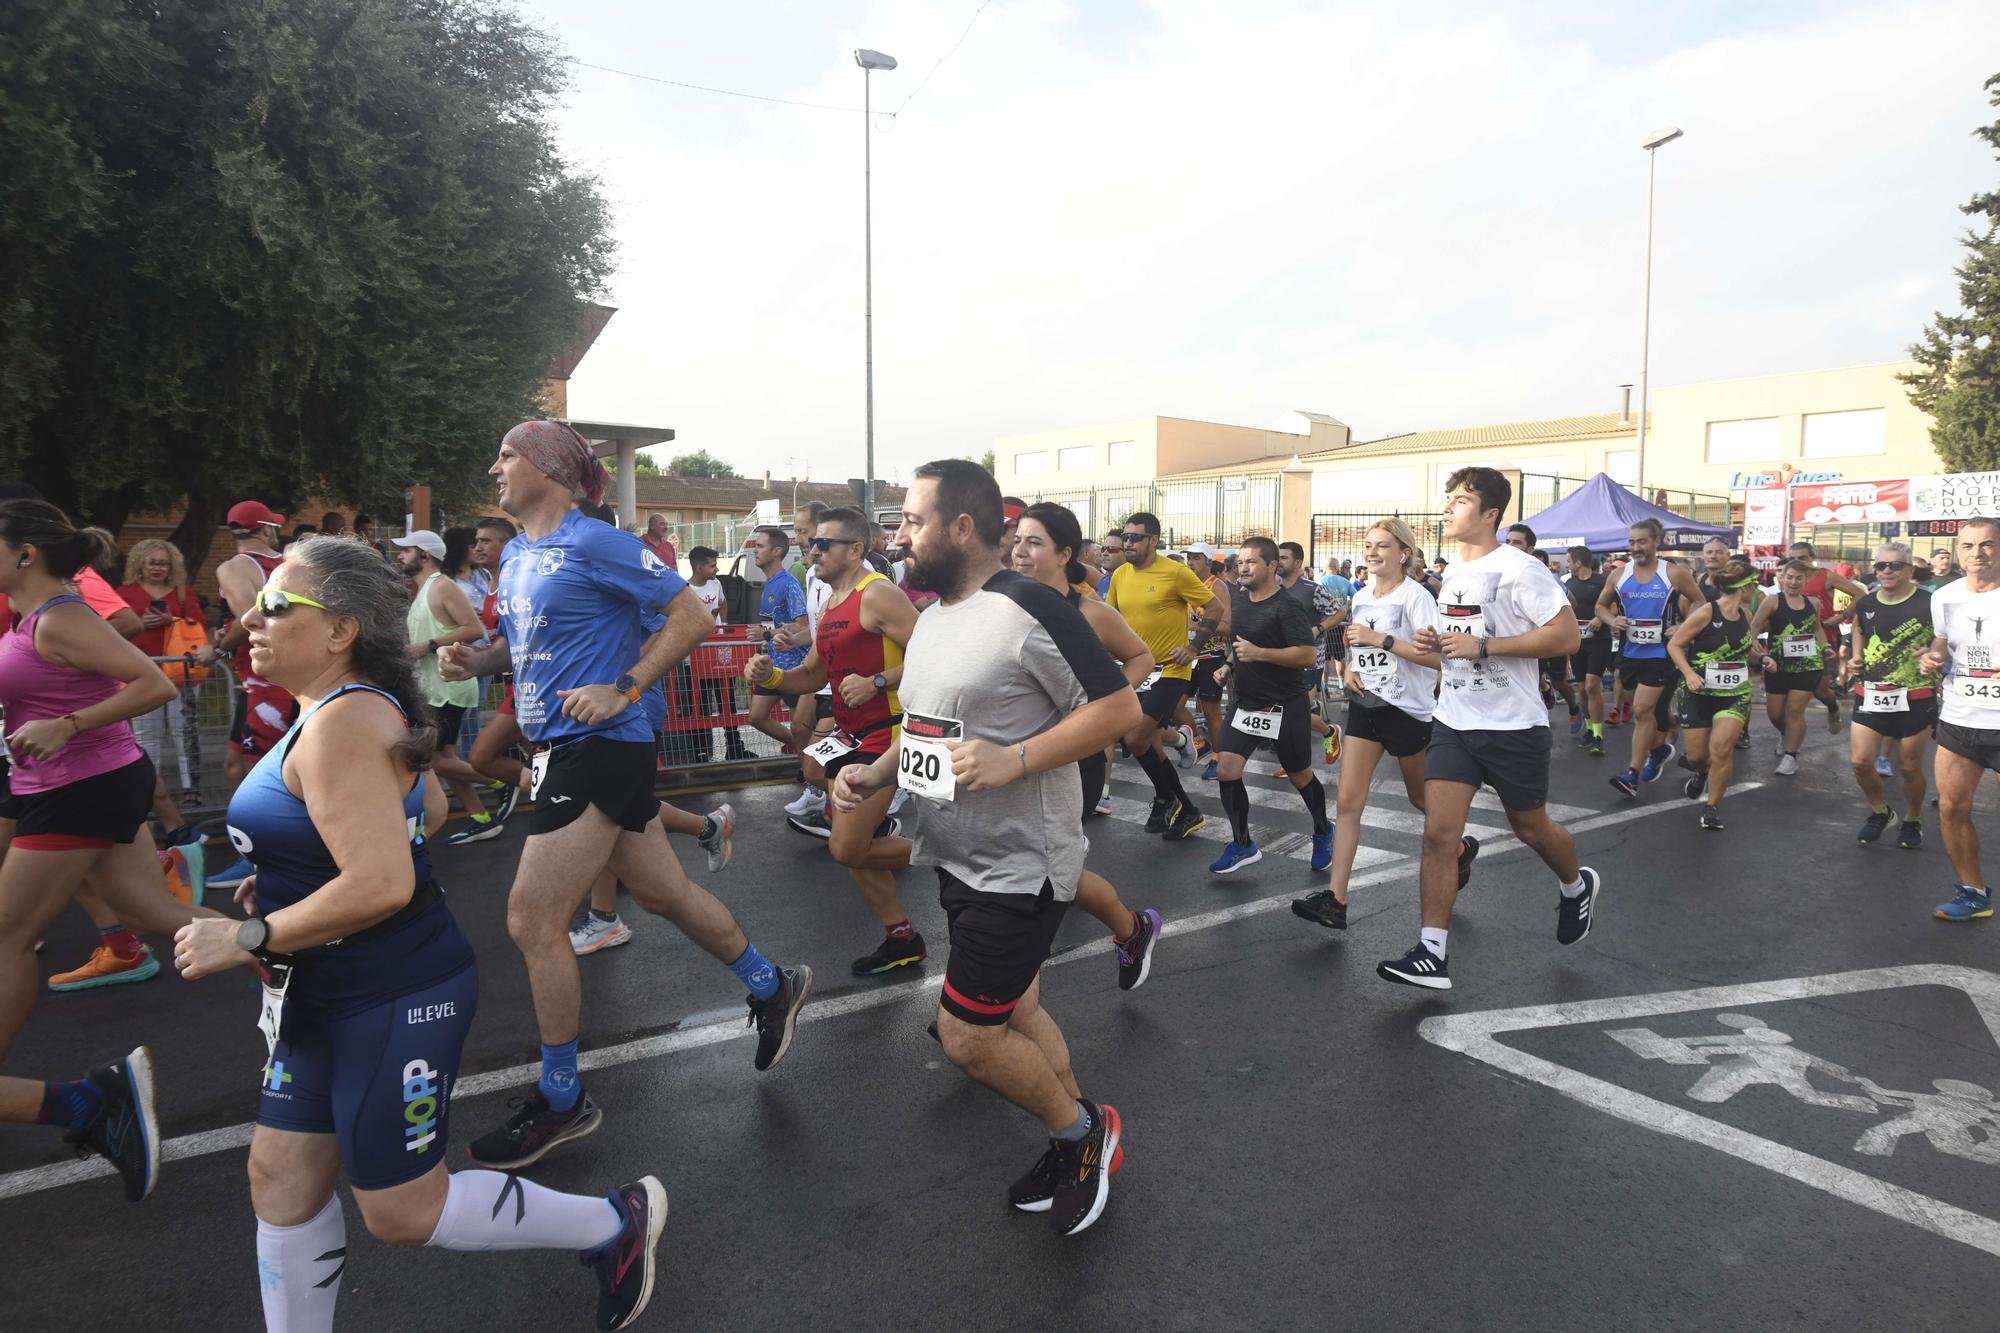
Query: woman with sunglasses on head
[(1046, 540), (1716, 651), (79, 790), (369, 987)]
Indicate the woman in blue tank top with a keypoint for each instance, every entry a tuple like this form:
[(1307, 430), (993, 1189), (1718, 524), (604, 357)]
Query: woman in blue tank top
[(370, 988)]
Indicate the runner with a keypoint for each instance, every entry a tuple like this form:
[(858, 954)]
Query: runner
[(1646, 591), (1156, 595), (1498, 617), (1820, 587), (1714, 555), (1794, 669), (369, 986), (1555, 670), (593, 618), (859, 649), (1043, 550), (489, 543), (1005, 689), (1328, 614), (439, 615), (1895, 699), (1391, 693), (1716, 652), (1592, 661), (1209, 654), (782, 607), (1968, 733)]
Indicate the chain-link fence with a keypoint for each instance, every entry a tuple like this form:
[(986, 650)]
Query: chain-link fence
[(1219, 510), (187, 737)]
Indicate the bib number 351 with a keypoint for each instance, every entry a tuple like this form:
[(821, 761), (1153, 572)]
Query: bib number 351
[(924, 765)]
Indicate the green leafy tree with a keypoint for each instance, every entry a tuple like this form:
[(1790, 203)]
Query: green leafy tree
[(699, 464), (257, 250), (986, 461), (642, 464), (1959, 380)]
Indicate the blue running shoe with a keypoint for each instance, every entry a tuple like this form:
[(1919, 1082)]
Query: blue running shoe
[(1208, 771), (1322, 850), (1970, 904), (234, 876), (1575, 723), (1883, 768), (1656, 760), (1234, 857)]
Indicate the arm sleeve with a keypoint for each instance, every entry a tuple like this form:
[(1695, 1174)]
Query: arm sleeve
[(1062, 652), (622, 566)]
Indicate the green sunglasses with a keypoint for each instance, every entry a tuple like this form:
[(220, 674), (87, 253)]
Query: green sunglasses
[(274, 603)]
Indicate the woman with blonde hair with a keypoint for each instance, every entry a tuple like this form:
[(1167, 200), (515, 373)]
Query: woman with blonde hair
[(1391, 691), (156, 588)]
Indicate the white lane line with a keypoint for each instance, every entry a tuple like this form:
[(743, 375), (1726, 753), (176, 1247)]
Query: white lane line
[(1216, 830)]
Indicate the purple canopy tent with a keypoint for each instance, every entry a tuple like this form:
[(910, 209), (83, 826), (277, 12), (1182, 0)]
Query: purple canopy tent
[(1601, 513)]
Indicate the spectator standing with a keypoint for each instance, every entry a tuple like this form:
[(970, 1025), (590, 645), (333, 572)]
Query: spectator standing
[(156, 589), (659, 542)]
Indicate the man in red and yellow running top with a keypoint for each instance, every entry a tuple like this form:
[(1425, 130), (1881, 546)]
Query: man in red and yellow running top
[(263, 712), (859, 651)]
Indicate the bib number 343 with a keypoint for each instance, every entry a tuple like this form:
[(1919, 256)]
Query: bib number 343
[(924, 765)]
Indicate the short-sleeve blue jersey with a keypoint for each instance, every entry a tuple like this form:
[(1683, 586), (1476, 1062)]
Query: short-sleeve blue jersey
[(575, 609), (784, 601)]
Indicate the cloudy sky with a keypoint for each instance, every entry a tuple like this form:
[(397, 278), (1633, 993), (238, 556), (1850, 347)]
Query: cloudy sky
[(1406, 216)]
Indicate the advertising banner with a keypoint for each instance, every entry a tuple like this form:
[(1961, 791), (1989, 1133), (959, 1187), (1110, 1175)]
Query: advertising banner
[(1955, 495), (1764, 516), (1852, 501)]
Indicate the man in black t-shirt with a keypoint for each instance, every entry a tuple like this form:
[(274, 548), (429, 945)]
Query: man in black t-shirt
[(1592, 659)]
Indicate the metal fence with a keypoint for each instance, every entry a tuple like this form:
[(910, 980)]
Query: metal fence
[(1220, 510), (187, 738)]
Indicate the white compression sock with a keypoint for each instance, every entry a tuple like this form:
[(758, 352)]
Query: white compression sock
[(491, 1210), (1573, 890), (1433, 939), (299, 1268)]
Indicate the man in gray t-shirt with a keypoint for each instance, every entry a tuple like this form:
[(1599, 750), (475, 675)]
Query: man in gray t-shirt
[(1005, 687)]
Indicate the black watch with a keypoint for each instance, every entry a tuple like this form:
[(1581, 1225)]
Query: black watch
[(252, 936), (1388, 643), (881, 682), (627, 686)]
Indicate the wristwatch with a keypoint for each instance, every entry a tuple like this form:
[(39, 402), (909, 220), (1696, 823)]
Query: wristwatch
[(252, 936), (627, 686), (1388, 643), (881, 682)]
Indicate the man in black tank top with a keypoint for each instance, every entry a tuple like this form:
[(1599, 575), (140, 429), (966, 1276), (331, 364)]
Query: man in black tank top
[(1895, 699)]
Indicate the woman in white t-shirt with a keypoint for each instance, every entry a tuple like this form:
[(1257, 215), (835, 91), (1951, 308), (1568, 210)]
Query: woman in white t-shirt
[(1391, 691)]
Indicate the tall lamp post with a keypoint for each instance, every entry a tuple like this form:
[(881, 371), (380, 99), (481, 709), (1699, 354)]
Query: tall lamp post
[(870, 61), (1652, 143)]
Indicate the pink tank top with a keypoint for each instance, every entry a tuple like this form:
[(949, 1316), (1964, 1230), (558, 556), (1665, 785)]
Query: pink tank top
[(34, 689)]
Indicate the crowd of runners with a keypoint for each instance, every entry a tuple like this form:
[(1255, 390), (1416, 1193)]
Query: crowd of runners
[(957, 713)]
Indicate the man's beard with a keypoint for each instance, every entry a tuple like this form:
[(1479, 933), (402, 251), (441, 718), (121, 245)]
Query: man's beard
[(939, 573)]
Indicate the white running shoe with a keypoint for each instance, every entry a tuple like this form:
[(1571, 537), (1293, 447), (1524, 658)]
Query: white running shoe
[(896, 801), (715, 840), (1788, 765), (593, 935), (811, 799), (1185, 755), (1104, 801)]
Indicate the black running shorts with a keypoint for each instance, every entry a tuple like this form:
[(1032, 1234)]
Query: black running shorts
[(449, 719), (1592, 657), (1979, 744), (1788, 682), (1205, 686), (1293, 741), (614, 776), (1648, 671), (1515, 764), (1159, 702), (999, 942), (1921, 717), (1389, 727), (103, 808)]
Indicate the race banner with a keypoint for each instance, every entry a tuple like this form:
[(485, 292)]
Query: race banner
[(1955, 495), (1764, 516), (1852, 501)]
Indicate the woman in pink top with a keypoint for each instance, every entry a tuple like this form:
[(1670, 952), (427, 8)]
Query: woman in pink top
[(79, 791)]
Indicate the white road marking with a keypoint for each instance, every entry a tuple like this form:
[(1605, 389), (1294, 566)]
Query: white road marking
[(1476, 1035)]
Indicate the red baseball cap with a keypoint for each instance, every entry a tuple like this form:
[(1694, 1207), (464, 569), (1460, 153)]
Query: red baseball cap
[(249, 513), (1012, 512)]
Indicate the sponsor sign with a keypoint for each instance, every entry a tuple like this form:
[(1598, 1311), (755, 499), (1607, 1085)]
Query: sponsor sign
[(1851, 501), (1955, 495), (1764, 516)]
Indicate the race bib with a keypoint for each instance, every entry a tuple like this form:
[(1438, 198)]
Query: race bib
[(830, 747), (1150, 681), (271, 1016), (1375, 664), (1642, 631), (1978, 688), (1884, 698), (1261, 724), (538, 768), (1455, 619), (1794, 646), (1726, 675), (1588, 630), (925, 764)]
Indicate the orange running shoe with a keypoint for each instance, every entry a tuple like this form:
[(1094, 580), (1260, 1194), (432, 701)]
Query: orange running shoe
[(106, 968)]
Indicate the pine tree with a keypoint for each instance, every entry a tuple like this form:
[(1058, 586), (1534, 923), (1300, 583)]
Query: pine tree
[(1959, 383)]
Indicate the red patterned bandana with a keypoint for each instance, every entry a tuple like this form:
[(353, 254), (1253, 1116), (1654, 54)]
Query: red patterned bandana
[(564, 456)]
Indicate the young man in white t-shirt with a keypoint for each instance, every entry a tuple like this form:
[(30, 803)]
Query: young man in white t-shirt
[(702, 561), (1965, 616), (1499, 615)]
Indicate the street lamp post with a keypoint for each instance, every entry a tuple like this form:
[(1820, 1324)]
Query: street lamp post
[(870, 61), (1652, 144)]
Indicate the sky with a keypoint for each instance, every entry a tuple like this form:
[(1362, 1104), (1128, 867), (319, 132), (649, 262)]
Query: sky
[(1410, 217)]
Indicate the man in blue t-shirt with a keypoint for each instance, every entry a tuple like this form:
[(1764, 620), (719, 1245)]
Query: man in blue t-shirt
[(589, 620), (1336, 583), (787, 631)]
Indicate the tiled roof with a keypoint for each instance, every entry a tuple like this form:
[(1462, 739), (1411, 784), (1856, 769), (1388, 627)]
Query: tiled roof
[(1552, 430)]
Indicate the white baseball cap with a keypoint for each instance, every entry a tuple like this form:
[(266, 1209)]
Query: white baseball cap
[(1199, 548), (424, 540)]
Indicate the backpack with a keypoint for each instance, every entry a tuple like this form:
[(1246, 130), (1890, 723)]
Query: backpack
[(181, 637)]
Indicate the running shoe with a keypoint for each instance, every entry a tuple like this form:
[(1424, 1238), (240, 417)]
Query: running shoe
[(1788, 765), (1657, 760), (1883, 767), (890, 827), (1281, 775), (510, 796), (125, 1131), (1833, 718), (1574, 916), (1694, 787), (1234, 857), (1468, 852), (234, 876), (1185, 821), (1968, 904), (889, 955), (897, 801), (1185, 756), (809, 800), (476, 830), (183, 836), (1711, 817), (813, 823), (1911, 835), (715, 837), (1597, 745), (1083, 1182), (1332, 744), (1032, 1192), (1418, 967), (1208, 771), (1583, 739), (592, 934), (1627, 783), (1156, 817), (534, 1130), (625, 1265), (1575, 723), (1322, 853), (736, 751), (106, 968), (1135, 955), (1874, 826), (778, 1017), (1104, 801), (1743, 740), (1322, 907)]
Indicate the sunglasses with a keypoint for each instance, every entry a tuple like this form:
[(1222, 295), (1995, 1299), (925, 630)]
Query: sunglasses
[(1881, 565), (828, 543), (1138, 536), (274, 604)]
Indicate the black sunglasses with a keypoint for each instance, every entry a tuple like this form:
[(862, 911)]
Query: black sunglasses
[(1881, 565), (1137, 536), (828, 543)]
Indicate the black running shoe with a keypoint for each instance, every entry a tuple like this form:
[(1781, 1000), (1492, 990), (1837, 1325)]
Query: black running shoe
[(1694, 787), (1418, 967), (1322, 907), (1033, 1192), (1083, 1177), (625, 1266), (813, 823), (1575, 916), (1596, 745), (1877, 821), (1185, 821), (1135, 955), (1833, 719), (1627, 783), (890, 955), (1468, 852), (776, 1018), (1156, 818), (1711, 818), (125, 1131), (534, 1129), (1911, 835)]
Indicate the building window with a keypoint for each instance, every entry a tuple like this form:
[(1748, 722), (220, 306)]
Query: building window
[(1077, 459), (1030, 465), (1842, 434), (1753, 441), (1122, 453)]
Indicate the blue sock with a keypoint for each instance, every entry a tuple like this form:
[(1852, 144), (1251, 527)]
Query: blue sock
[(70, 1105), (754, 970), (560, 1085)]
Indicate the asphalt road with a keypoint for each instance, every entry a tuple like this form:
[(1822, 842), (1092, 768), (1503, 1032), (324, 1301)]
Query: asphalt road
[(1307, 1146)]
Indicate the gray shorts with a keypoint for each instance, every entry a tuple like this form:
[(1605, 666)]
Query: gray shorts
[(1515, 764)]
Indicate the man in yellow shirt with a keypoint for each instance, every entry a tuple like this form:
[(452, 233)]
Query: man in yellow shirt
[(1156, 595)]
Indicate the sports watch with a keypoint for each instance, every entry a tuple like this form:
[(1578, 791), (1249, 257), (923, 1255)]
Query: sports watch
[(881, 682), (252, 936), (627, 686)]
